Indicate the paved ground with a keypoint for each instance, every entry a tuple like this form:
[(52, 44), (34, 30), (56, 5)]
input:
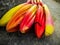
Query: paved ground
[(30, 38)]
